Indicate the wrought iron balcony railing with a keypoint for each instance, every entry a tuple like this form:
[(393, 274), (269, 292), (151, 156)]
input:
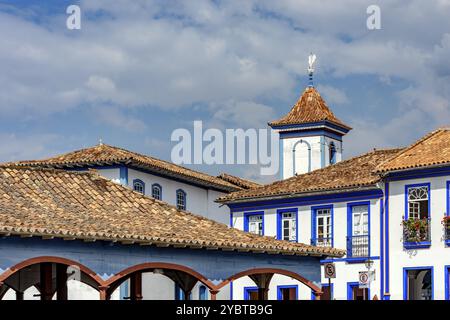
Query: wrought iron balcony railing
[(322, 242), (358, 246), (416, 230), (447, 229)]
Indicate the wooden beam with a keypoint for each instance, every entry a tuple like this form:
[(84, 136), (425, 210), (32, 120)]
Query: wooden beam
[(46, 281), (136, 286), (61, 282)]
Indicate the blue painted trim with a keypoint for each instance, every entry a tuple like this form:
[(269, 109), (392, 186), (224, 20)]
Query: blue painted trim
[(314, 224), (418, 173), (254, 213), (447, 188), (308, 200), (185, 198), (349, 260), (231, 219), (405, 277), (381, 250), (123, 175), (332, 152), (160, 189), (350, 286), (231, 290), (247, 292), (350, 205), (279, 215), (141, 182), (294, 286), (202, 293), (310, 125), (407, 187), (309, 133), (293, 155), (386, 239), (447, 281), (417, 245)]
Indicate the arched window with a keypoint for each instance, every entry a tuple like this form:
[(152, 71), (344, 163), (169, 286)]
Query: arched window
[(156, 191), (202, 295), (332, 149), (139, 186), (181, 199)]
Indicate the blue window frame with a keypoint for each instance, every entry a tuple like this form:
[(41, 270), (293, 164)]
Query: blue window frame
[(254, 222), (430, 293), (322, 226), (248, 291), (447, 282), (364, 294), (447, 229), (290, 289), (358, 231), (181, 199), (202, 293), (332, 156), (417, 206), (156, 191), (139, 186), (287, 224)]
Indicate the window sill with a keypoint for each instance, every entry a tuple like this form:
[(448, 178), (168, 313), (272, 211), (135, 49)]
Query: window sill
[(356, 259), (417, 245)]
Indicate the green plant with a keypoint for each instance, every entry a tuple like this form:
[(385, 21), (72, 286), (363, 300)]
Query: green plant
[(415, 230)]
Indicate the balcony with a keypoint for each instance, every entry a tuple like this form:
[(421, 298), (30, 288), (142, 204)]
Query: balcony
[(358, 246), (446, 223), (416, 233), (322, 242)]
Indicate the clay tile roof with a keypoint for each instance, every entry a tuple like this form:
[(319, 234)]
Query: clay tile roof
[(309, 108), (240, 182), (353, 173), (83, 205), (104, 154), (431, 150)]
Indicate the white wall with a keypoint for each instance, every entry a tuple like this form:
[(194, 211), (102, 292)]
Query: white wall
[(346, 271), (438, 255)]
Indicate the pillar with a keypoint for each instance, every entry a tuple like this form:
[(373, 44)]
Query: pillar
[(61, 282), (46, 281), (213, 294), (317, 294), (19, 295), (104, 294), (262, 281), (136, 286)]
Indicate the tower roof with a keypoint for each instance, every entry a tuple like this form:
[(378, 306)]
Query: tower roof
[(310, 108)]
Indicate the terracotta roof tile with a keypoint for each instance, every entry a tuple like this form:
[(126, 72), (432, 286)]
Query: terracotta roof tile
[(309, 108), (83, 205), (104, 154), (353, 173), (240, 182), (433, 149)]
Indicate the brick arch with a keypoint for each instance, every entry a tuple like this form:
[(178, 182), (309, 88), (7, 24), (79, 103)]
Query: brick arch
[(287, 273), (51, 259), (113, 282)]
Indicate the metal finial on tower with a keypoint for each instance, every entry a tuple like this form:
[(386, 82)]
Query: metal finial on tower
[(311, 61)]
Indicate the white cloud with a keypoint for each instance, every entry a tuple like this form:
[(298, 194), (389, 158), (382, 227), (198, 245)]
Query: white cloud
[(332, 95)]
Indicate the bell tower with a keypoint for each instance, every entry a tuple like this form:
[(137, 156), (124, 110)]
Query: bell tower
[(310, 134)]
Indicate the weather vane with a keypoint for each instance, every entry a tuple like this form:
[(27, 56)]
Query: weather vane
[(311, 61)]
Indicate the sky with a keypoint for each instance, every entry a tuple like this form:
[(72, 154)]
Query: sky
[(137, 70)]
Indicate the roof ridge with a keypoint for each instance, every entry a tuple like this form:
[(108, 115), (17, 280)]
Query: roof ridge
[(425, 137)]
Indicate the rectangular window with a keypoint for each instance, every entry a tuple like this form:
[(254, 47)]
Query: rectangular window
[(323, 227), (358, 230), (254, 224), (418, 202), (418, 283), (251, 293), (287, 292), (289, 226)]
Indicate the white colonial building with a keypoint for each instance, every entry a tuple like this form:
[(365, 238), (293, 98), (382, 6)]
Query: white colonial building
[(387, 208)]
